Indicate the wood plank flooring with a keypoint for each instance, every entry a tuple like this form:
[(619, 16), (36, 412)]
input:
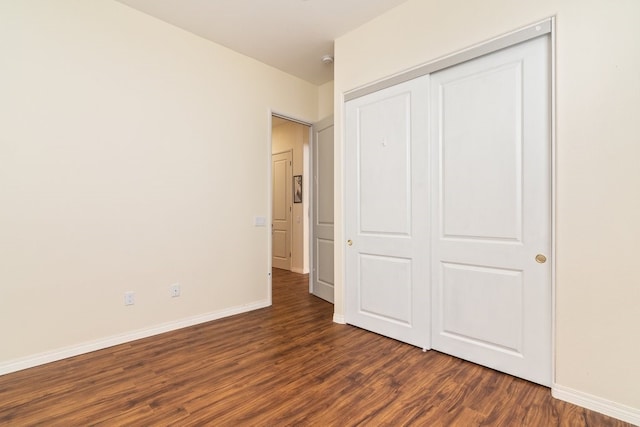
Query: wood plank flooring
[(286, 365)]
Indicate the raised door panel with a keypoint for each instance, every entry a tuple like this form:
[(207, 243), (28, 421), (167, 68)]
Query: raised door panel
[(387, 288), (481, 146), (483, 305), (384, 167)]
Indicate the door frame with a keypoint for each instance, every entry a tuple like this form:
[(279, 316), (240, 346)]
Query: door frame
[(540, 28), (269, 207)]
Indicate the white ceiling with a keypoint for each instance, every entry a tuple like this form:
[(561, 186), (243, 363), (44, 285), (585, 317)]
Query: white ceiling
[(291, 35)]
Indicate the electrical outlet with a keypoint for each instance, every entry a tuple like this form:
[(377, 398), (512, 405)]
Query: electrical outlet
[(129, 298), (174, 290)]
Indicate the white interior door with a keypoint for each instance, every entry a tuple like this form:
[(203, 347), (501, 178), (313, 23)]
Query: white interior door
[(282, 189), (386, 212), (490, 136), (322, 211)]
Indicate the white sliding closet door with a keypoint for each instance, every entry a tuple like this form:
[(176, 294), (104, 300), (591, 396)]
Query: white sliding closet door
[(386, 212), (448, 210), (491, 230)]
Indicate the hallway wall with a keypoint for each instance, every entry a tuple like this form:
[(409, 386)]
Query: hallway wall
[(295, 136)]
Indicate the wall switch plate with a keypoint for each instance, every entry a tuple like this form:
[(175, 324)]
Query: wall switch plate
[(129, 298), (174, 290), (259, 221)]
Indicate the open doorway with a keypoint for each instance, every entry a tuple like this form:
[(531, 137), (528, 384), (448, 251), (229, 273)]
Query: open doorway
[(290, 194)]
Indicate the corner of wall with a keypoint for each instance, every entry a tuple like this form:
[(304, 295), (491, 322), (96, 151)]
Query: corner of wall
[(598, 404), (325, 100)]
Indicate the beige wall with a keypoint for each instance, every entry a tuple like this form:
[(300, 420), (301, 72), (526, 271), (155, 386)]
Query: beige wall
[(325, 100), (598, 178), (133, 155), (295, 137)]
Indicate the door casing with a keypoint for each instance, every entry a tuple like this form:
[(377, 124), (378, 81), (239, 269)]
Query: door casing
[(271, 114)]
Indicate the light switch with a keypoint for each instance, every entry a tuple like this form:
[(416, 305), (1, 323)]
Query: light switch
[(259, 221)]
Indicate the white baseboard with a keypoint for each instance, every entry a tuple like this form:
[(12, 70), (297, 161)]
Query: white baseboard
[(598, 404), (339, 318), (87, 347)]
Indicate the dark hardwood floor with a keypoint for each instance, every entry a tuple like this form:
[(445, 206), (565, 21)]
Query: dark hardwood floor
[(279, 366)]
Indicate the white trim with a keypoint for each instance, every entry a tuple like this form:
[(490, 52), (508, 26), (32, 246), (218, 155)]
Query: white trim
[(309, 213), (552, 255), (306, 201), (89, 346), (598, 404), (269, 206), (500, 42), (339, 318), (324, 123), (339, 180), (291, 119)]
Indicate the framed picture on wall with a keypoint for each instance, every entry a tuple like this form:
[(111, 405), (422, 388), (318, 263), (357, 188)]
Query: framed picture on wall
[(297, 189)]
